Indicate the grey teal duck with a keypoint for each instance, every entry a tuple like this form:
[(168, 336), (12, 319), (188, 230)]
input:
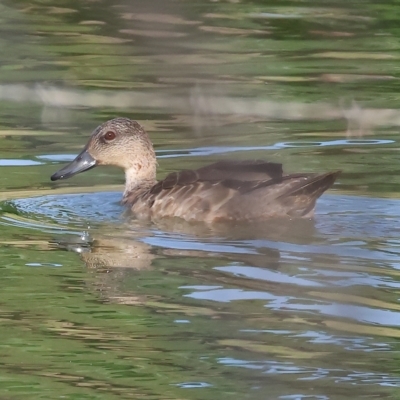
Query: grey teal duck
[(222, 191)]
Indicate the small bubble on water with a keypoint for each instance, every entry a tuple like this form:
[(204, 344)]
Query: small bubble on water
[(85, 237)]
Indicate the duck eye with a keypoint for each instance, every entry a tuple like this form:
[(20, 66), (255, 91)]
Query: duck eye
[(110, 135)]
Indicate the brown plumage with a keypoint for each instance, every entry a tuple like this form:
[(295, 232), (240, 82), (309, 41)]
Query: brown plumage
[(225, 190)]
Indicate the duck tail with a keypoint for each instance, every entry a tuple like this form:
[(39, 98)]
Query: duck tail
[(307, 192)]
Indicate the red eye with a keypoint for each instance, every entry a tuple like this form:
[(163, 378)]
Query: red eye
[(110, 135)]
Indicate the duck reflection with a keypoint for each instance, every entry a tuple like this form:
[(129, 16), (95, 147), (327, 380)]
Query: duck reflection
[(134, 247)]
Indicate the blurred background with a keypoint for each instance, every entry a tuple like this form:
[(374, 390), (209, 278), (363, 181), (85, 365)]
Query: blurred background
[(94, 305)]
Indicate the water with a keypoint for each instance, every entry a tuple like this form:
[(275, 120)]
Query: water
[(95, 305)]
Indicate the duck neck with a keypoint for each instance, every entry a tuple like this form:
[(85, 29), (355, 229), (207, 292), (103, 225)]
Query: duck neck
[(139, 179)]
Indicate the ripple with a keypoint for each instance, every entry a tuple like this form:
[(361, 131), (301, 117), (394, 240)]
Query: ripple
[(208, 151), (69, 210), (362, 343), (14, 162), (354, 229), (43, 265), (312, 373), (267, 275), (193, 385)]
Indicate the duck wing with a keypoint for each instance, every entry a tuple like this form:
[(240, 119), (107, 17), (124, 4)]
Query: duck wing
[(237, 190), (291, 195), (247, 170), (241, 171)]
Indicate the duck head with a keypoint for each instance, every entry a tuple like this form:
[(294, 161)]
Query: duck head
[(120, 142)]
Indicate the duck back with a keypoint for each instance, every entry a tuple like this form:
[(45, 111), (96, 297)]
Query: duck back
[(233, 190)]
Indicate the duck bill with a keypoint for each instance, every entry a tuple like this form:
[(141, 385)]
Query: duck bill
[(83, 162)]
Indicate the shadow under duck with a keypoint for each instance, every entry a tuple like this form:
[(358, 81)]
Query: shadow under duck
[(222, 191)]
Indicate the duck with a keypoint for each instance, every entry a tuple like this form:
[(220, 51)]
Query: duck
[(245, 190)]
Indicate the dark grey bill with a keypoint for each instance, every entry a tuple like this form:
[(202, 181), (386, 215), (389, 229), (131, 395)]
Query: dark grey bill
[(82, 162)]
